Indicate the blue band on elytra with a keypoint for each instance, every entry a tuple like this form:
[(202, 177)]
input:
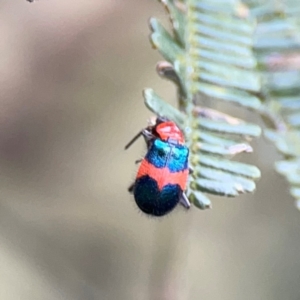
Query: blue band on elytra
[(163, 154)]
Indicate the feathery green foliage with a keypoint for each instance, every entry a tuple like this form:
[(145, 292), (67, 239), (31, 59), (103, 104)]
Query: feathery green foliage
[(209, 55), (277, 43)]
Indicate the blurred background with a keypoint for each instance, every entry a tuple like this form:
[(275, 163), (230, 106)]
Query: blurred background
[(71, 80)]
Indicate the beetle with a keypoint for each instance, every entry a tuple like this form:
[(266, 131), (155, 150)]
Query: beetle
[(163, 173)]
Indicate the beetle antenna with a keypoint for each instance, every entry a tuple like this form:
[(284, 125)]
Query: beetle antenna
[(134, 139)]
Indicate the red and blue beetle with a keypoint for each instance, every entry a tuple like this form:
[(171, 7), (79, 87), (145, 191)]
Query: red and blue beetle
[(162, 176)]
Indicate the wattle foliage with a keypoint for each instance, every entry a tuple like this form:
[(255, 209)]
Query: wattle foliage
[(209, 56), (277, 45)]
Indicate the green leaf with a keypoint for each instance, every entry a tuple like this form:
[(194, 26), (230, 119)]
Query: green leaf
[(227, 165), (163, 41), (200, 200), (244, 129), (161, 108)]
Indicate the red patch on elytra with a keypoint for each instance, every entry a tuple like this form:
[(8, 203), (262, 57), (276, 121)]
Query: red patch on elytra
[(169, 130), (163, 176)]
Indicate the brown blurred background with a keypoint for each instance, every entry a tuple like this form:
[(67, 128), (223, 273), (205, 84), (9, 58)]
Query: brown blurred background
[(71, 76)]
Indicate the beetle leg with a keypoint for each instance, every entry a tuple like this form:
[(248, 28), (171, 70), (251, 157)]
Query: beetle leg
[(184, 201), (191, 170), (131, 188), (138, 161)]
